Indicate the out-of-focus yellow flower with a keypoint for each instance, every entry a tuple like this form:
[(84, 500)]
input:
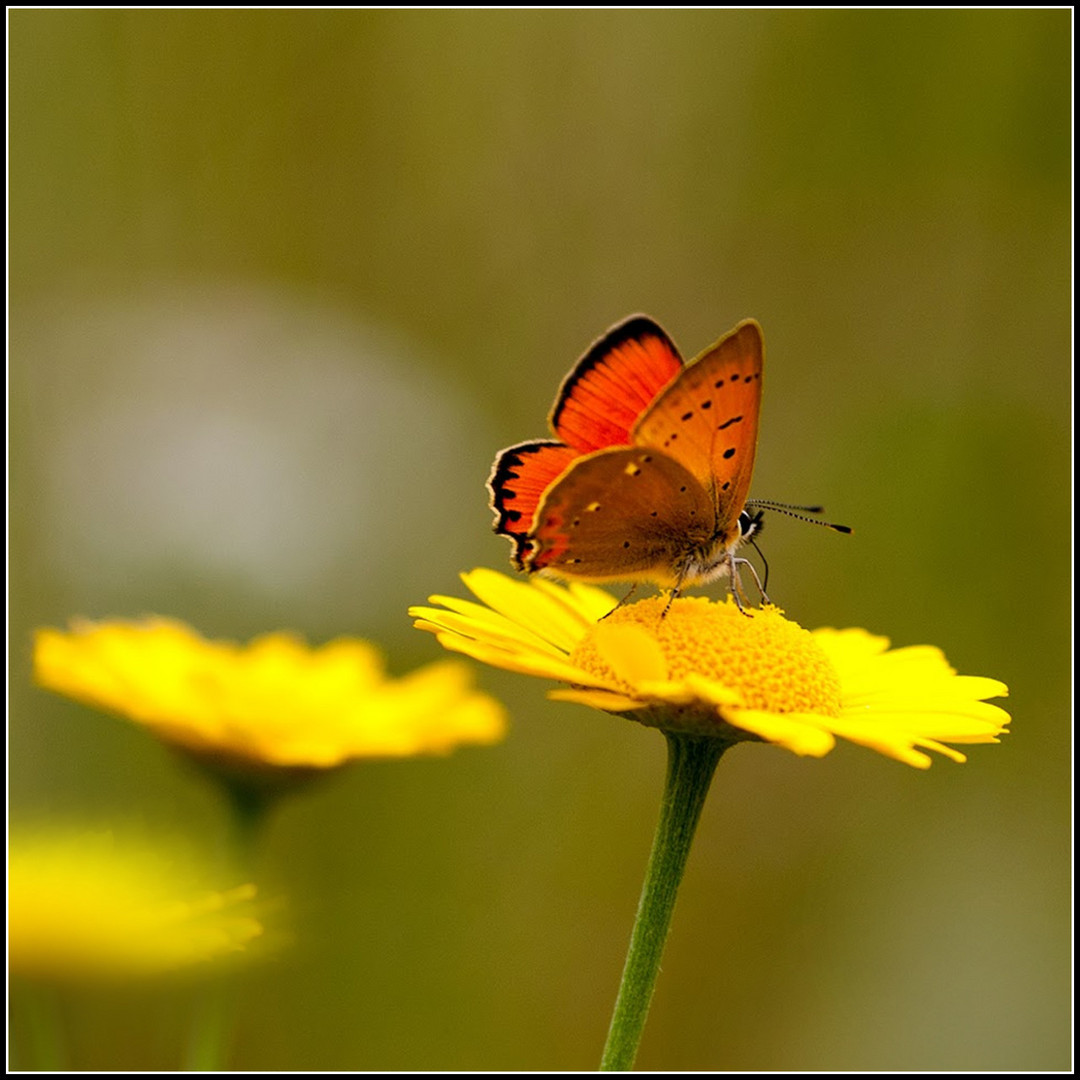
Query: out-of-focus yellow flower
[(82, 907), (274, 704), (707, 669)]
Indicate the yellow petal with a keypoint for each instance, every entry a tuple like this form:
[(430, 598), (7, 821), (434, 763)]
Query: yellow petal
[(524, 662), (712, 691), (82, 907), (597, 699), (274, 702), (672, 691), (503, 632), (803, 736), (527, 606), (632, 652), (587, 603), (478, 621)]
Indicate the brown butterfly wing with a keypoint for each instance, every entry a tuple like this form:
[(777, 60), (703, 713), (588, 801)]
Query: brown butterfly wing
[(707, 420), (625, 514)]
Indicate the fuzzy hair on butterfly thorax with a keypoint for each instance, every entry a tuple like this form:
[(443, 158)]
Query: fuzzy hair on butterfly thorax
[(650, 467)]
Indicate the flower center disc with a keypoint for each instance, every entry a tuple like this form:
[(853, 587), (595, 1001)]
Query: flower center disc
[(772, 663)]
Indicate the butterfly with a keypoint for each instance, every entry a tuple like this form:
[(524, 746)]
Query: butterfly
[(649, 475)]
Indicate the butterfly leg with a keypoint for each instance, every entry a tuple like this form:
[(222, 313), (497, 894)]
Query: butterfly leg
[(676, 590), (754, 574), (737, 591), (625, 599), (736, 584)]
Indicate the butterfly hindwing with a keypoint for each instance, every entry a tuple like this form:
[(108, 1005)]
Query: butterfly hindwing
[(621, 514), (610, 387), (518, 479), (707, 419)]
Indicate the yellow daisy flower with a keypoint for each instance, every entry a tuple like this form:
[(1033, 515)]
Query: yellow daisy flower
[(270, 706), (705, 668), (82, 907)]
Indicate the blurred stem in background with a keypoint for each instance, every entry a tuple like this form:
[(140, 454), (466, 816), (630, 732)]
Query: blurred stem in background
[(211, 1026), (249, 809), (45, 1028), (214, 1021), (691, 764)]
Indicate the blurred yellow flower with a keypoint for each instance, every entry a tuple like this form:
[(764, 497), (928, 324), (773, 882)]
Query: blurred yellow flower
[(81, 907), (269, 705), (705, 668)]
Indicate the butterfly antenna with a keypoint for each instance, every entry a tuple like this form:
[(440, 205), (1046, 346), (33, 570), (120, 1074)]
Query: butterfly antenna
[(788, 510)]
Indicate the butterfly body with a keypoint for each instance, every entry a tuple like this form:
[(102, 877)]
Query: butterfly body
[(649, 475)]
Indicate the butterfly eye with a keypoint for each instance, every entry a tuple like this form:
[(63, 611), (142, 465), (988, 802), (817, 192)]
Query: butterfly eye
[(750, 525)]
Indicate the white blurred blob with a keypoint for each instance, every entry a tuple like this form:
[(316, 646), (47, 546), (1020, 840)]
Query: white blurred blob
[(246, 434)]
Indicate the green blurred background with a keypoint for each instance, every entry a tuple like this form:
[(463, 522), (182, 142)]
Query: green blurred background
[(282, 283)]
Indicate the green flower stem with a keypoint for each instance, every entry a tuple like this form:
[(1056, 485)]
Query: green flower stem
[(211, 1026), (691, 763)]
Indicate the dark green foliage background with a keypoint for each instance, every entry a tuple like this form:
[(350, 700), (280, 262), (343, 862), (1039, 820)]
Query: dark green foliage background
[(476, 195)]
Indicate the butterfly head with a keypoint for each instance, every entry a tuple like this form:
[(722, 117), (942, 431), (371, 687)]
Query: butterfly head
[(750, 524)]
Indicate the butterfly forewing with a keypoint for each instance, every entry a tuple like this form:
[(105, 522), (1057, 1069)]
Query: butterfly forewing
[(623, 514), (610, 387), (707, 419)]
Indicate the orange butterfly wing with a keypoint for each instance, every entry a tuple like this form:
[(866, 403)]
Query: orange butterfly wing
[(598, 403), (623, 514), (610, 387), (707, 420), (518, 479)]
